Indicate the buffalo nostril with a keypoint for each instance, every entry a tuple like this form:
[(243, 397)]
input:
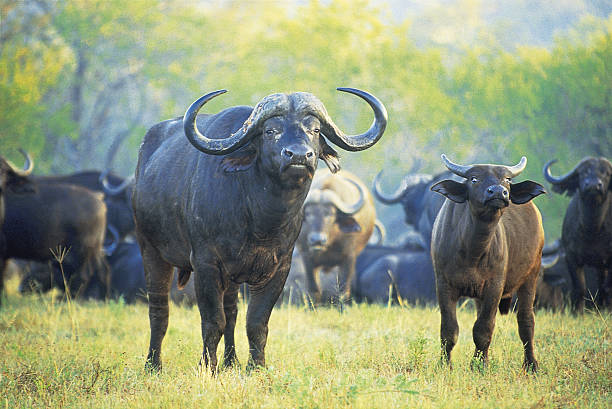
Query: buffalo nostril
[(309, 154), (505, 193), (286, 152), (489, 189)]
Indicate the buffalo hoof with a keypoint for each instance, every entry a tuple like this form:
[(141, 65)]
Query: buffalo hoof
[(153, 367), (530, 366)]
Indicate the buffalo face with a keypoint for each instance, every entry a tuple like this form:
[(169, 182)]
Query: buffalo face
[(590, 177), (488, 188)]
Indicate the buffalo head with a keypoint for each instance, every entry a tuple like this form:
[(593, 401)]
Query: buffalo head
[(286, 134), (327, 216), (591, 177), (16, 179), (488, 188)]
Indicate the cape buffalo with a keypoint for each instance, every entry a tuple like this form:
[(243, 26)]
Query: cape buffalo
[(587, 226), (402, 274), (487, 244), (58, 221), (339, 218), (117, 194), (420, 204), (232, 212), (16, 181)]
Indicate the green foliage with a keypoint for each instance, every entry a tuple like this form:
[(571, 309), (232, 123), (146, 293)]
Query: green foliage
[(96, 74)]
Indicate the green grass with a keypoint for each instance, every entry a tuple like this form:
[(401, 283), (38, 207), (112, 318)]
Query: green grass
[(369, 356)]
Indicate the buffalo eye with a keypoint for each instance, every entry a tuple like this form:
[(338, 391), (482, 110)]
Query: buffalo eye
[(509, 180), (270, 131), (474, 179), (316, 130)]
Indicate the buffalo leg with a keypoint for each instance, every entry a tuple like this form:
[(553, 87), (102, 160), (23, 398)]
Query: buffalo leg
[(449, 328), (603, 296), (312, 283), (261, 303), (230, 307), (485, 322), (345, 276), (2, 268), (158, 276), (526, 321), (210, 291), (578, 284)]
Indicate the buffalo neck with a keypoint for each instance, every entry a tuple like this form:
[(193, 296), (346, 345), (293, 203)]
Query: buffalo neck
[(275, 209), (477, 232), (593, 214)]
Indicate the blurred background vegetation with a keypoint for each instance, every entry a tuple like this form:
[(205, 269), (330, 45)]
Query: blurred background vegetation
[(483, 81)]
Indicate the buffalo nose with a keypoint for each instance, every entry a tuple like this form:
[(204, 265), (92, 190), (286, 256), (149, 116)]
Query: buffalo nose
[(600, 185), (297, 153), (497, 190), (317, 239)]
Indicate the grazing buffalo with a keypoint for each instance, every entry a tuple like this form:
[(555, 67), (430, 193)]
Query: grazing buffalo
[(116, 197), (401, 274), (421, 205), (487, 244), (15, 181), (339, 218), (587, 227), (232, 212), (58, 222)]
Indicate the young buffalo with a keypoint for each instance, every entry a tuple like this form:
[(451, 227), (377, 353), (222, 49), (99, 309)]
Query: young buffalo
[(487, 244)]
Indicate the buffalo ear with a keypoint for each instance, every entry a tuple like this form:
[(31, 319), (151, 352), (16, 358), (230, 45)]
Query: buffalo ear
[(525, 191), (455, 191), (240, 160), (329, 156), (348, 224)]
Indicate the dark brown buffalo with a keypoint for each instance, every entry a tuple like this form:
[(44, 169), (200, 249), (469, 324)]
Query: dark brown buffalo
[(67, 220), (14, 181), (226, 203), (117, 195), (420, 204), (586, 235), (487, 244), (339, 218)]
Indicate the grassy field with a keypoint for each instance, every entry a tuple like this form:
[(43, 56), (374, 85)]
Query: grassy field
[(91, 354)]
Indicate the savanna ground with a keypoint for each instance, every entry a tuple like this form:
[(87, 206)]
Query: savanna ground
[(91, 354)]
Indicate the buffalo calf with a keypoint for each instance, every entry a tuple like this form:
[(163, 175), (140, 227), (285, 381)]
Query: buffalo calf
[(487, 244)]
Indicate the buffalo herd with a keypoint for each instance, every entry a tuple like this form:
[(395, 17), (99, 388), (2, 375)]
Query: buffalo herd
[(236, 200)]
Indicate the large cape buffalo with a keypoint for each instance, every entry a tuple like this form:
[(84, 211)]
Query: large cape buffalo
[(339, 217), (587, 227), (232, 212), (487, 244)]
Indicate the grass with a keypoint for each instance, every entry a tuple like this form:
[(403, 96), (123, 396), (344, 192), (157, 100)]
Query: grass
[(369, 356)]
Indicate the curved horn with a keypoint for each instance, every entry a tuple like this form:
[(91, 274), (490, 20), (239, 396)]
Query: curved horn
[(518, 168), (382, 232), (393, 197), (114, 190), (362, 141), (552, 248), (549, 261), (201, 141), (459, 170), (561, 179), (110, 248), (28, 166), (343, 206)]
